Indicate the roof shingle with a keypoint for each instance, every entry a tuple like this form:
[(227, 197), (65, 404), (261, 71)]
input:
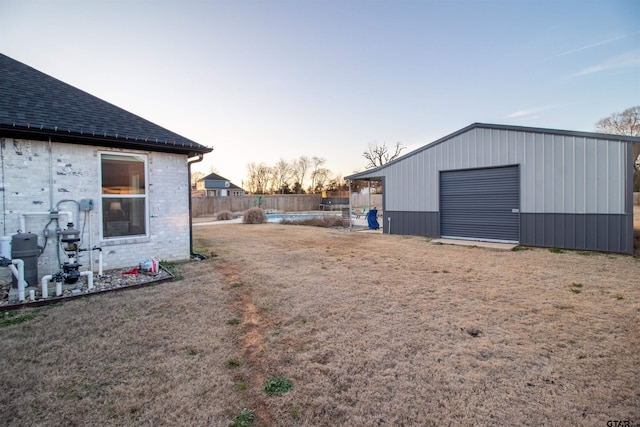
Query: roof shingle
[(36, 105)]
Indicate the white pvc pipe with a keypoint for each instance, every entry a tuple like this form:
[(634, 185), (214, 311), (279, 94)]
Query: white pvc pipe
[(88, 214), (100, 264), (45, 285), (24, 215), (89, 275), (19, 273), (46, 279)]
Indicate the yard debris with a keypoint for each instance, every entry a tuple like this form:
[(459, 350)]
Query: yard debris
[(474, 332), (150, 265)]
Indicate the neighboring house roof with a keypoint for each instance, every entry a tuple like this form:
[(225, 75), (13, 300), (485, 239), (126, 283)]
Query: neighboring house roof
[(210, 182), (372, 173), (214, 176), (34, 105)]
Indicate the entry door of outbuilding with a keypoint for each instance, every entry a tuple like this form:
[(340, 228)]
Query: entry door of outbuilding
[(480, 204)]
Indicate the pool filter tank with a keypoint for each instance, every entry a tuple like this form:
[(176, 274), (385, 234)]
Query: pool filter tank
[(24, 246)]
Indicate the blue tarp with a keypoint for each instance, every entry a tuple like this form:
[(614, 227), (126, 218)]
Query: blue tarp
[(372, 219)]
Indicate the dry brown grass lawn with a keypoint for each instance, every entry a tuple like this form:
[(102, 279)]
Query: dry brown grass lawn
[(371, 329)]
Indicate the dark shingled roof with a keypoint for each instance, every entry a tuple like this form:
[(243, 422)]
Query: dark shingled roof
[(34, 105), (215, 176)]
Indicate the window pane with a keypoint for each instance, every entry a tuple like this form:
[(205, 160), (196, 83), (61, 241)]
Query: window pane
[(123, 217), (123, 174)]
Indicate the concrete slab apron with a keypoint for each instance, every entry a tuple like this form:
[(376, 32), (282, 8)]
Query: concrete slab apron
[(490, 245)]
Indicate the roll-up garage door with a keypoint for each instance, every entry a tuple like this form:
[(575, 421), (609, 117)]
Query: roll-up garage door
[(480, 204)]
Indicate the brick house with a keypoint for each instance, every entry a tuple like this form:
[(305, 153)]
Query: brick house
[(70, 157)]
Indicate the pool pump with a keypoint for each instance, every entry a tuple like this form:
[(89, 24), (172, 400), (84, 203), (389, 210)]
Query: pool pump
[(69, 239)]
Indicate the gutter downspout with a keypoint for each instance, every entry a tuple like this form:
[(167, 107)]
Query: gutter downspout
[(189, 163), (50, 176)]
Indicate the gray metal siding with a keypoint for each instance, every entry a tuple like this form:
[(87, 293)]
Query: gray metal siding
[(596, 232), (479, 203), (575, 187), (412, 223), (558, 173)]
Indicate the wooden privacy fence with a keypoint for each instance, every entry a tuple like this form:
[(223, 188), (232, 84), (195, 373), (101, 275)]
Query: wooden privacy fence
[(210, 206)]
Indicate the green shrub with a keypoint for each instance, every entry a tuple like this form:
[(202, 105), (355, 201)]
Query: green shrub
[(254, 216), (246, 418), (276, 386), (233, 362), (224, 216)]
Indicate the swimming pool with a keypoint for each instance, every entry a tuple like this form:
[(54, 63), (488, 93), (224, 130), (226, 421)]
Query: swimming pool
[(293, 217)]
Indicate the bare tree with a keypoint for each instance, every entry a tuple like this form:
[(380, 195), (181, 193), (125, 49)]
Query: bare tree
[(320, 177), (625, 123), (378, 155), (195, 177), (337, 184), (281, 173), (316, 164), (299, 172), (258, 177)]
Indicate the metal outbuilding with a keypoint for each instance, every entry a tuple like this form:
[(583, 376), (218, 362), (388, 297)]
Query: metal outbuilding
[(531, 186)]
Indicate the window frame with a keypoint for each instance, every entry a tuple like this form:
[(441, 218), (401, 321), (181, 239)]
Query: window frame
[(144, 196)]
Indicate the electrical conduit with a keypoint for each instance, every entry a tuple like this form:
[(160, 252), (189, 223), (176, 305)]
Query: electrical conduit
[(24, 215)]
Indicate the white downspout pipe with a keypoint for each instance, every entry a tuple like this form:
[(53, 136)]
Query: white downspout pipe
[(19, 273)]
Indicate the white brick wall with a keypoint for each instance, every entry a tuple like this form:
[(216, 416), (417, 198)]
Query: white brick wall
[(30, 174)]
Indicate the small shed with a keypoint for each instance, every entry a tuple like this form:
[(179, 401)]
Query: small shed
[(531, 186)]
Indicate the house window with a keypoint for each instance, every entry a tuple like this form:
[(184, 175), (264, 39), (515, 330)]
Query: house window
[(124, 195)]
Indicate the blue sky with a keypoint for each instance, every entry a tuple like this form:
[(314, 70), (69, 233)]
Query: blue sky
[(264, 80)]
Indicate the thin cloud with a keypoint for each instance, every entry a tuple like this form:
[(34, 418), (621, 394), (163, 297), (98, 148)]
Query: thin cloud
[(530, 113), (592, 45), (627, 60)]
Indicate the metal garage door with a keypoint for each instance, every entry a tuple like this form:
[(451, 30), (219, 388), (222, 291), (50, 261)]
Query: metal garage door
[(480, 204)]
